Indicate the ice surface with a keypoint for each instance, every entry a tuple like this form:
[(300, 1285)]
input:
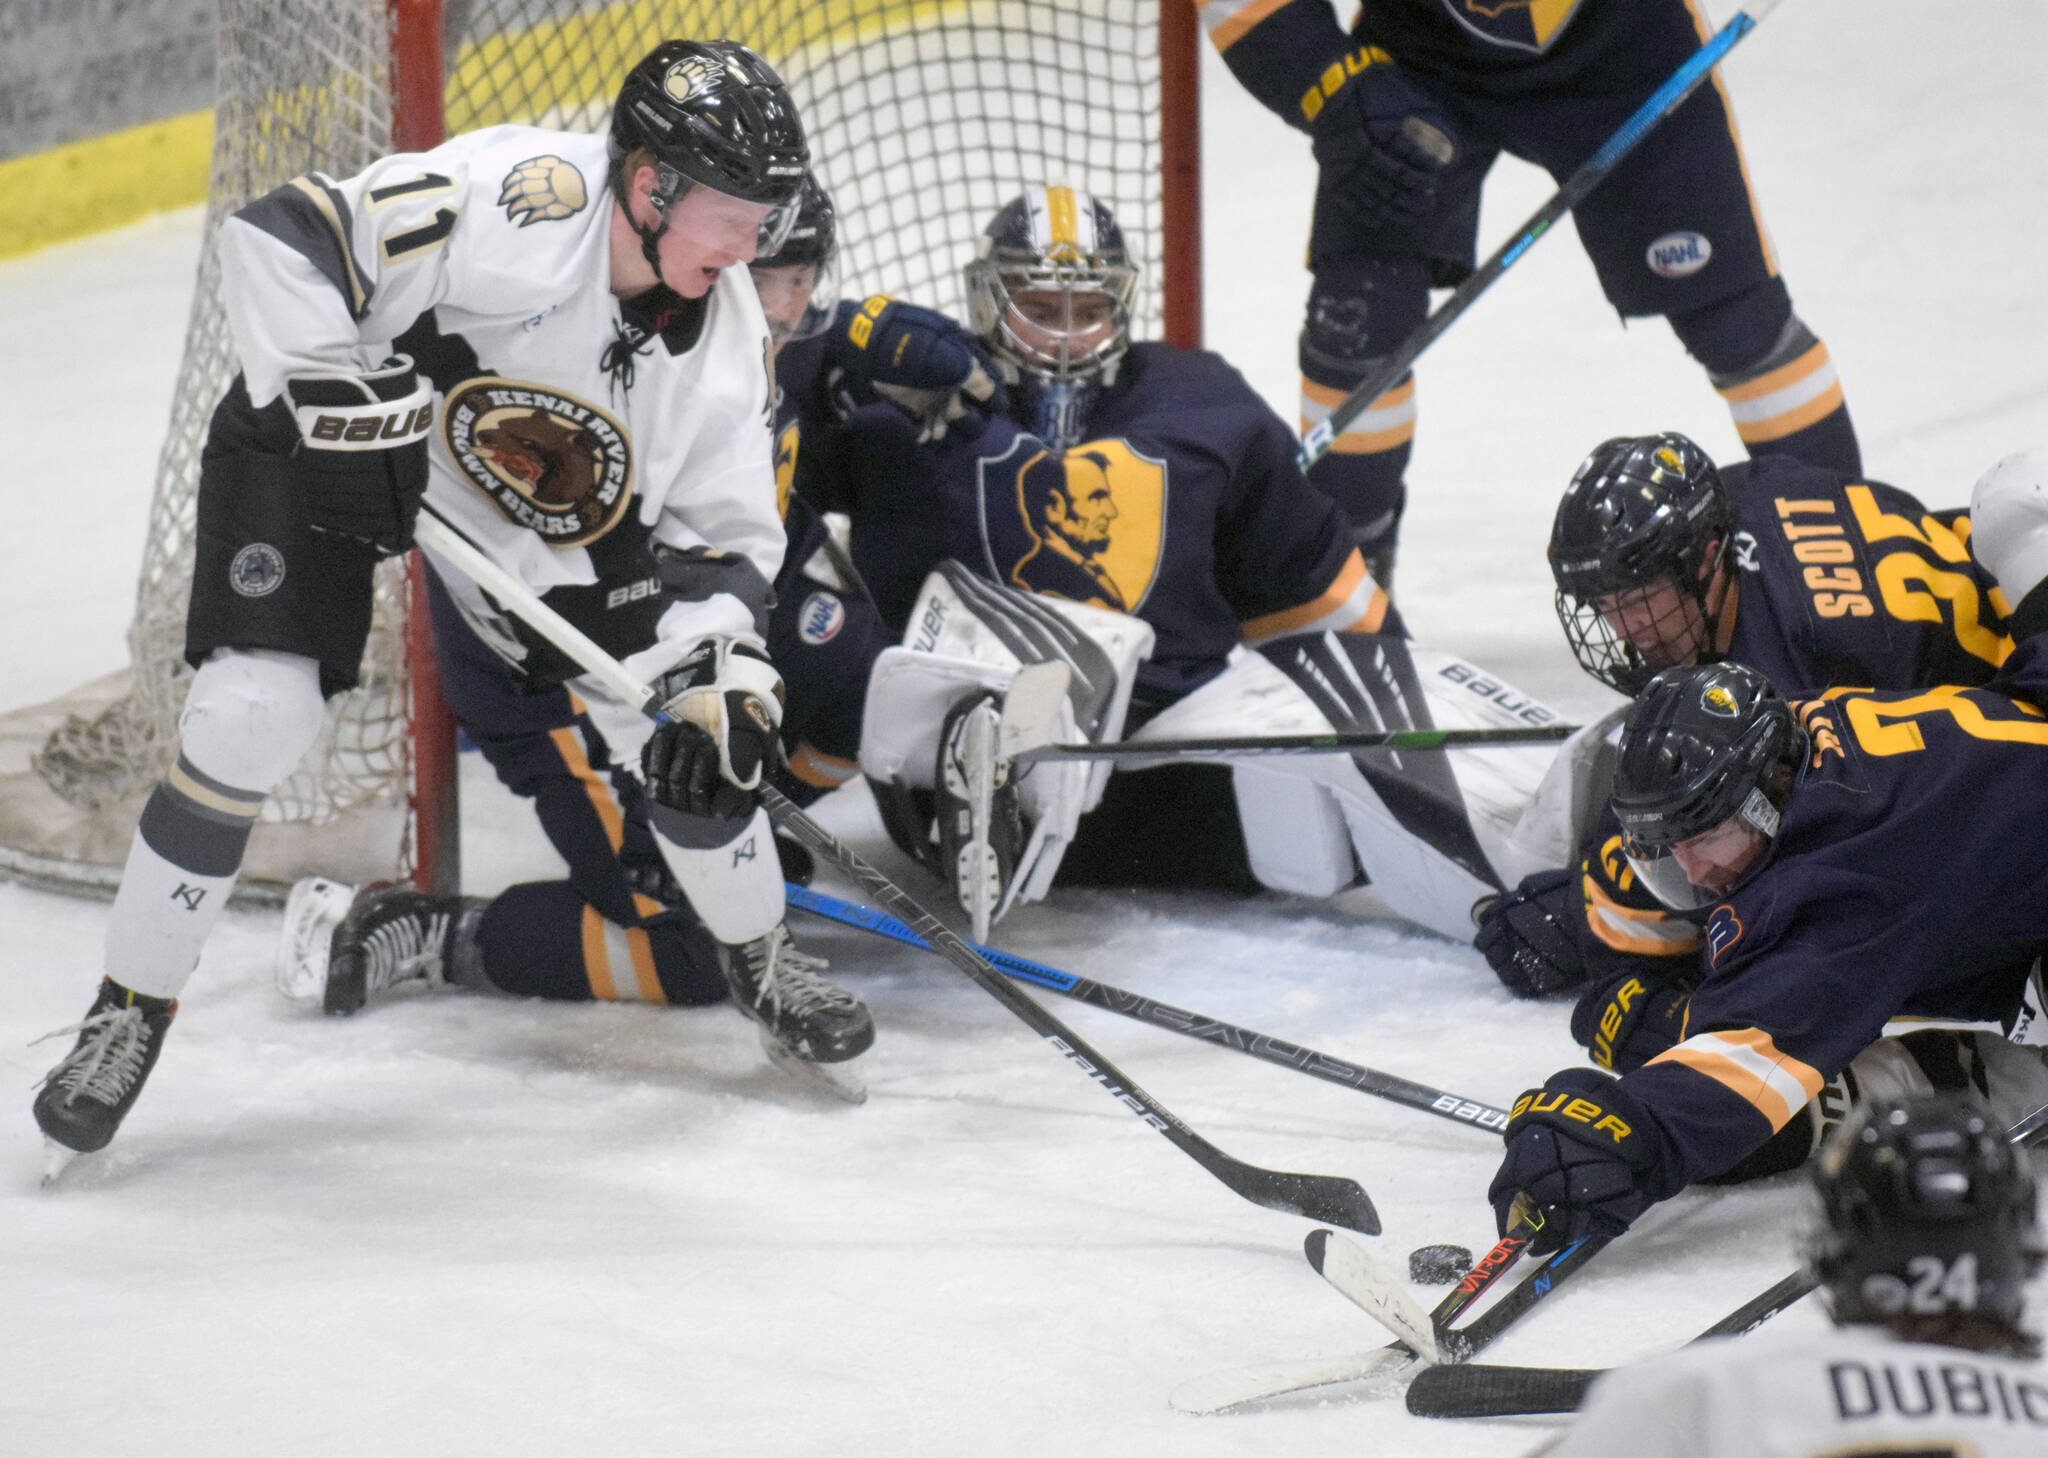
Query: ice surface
[(461, 1226)]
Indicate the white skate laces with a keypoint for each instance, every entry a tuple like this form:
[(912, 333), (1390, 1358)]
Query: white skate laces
[(403, 949), (107, 1062), (786, 981)]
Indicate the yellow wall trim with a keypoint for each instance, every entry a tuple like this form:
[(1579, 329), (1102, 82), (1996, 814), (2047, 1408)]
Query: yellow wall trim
[(103, 182)]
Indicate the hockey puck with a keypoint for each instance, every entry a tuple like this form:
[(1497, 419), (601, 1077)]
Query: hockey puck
[(1438, 1265)]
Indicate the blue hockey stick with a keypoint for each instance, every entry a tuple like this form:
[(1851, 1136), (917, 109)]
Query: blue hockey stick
[(1450, 1106), (1662, 102)]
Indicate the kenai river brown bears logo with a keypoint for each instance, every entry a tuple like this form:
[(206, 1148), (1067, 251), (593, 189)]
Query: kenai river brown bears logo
[(550, 462)]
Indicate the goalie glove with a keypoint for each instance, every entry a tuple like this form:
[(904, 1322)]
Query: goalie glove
[(362, 453), (1380, 142), (917, 359), (730, 691)]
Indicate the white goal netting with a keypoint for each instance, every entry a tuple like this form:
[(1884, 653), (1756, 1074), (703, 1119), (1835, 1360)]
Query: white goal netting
[(924, 117)]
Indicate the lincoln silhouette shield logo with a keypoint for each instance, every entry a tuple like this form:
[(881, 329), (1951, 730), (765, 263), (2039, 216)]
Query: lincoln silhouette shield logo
[(1086, 525), (547, 460)]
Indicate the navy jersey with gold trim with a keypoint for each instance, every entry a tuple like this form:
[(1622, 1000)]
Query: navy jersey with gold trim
[(1183, 507), (1838, 581), (1909, 878), (1835, 582)]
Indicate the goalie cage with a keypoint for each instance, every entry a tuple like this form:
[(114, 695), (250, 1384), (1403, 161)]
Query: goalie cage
[(923, 119)]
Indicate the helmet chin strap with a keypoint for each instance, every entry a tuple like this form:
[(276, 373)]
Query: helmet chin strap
[(650, 238)]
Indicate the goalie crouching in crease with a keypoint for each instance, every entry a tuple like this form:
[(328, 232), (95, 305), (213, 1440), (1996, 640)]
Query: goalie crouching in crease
[(1135, 511), (1858, 857), (577, 305)]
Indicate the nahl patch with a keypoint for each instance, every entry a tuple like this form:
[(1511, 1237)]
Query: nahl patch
[(551, 463), (1679, 255), (257, 571), (542, 190), (820, 618)]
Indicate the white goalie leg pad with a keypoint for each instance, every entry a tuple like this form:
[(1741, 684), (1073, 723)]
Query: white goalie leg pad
[(2009, 522), (1567, 804), (735, 888)]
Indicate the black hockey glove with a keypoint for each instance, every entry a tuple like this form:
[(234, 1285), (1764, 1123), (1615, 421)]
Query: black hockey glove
[(1635, 1015), (362, 452), (681, 762), (1580, 1148), (1529, 935), (1381, 143), (918, 360)]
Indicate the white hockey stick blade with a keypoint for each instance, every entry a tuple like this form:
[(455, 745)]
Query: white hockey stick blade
[(736, 888), (1236, 1387), (1031, 705), (315, 907), (836, 1079), (1365, 1284)]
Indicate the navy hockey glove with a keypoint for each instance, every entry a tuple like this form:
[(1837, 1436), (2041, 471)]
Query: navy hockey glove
[(1632, 1017), (1380, 141), (1529, 935), (1580, 1148), (362, 453), (918, 360)]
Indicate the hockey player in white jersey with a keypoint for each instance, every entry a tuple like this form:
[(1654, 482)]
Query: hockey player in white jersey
[(1926, 1240), (578, 306)]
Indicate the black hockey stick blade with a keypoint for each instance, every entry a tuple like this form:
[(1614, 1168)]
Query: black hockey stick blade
[(1328, 1199), (1475, 1389)]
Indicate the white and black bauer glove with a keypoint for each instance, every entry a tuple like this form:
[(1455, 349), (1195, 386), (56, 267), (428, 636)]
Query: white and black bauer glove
[(362, 452), (726, 699)]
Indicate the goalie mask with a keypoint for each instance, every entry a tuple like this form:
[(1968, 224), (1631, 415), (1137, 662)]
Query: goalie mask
[(709, 114), (1706, 765), (1634, 547), (1926, 1211), (796, 265), (1050, 292)]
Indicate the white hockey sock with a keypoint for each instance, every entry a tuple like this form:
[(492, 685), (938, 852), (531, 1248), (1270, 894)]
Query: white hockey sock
[(249, 719)]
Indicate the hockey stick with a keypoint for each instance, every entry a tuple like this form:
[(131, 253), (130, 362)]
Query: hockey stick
[(1329, 1199), (1337, 742), (1661, 103), (1237, 1387), (1484, 1391), (1163, 1015)]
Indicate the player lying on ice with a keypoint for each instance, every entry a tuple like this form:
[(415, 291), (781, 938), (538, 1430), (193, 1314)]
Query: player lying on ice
[(1812, 577), (1924, 1240), (1858, 857), (576, 303), (1136, 511)]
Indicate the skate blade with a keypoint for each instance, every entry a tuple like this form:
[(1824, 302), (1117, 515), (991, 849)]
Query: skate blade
[(836, 1079), (56, 1159), (315, 907)]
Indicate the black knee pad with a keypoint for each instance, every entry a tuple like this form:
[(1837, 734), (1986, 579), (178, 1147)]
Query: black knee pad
[(1360, 309), (1735, 336)]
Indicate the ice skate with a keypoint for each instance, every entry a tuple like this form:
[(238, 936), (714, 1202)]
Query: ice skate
[(315, 907), (86, 1096), (840, 1080), (779, 987), (392, 936), (981, 832)]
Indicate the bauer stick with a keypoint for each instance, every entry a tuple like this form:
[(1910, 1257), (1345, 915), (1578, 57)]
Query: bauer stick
[(1661, 103), (1163, 1015), (1328, 1199)]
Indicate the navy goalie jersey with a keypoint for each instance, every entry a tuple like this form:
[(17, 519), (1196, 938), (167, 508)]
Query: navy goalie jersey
[(1183, 507)]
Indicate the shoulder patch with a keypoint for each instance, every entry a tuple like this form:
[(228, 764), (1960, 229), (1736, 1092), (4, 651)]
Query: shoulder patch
[(1724, 930), (542, 190)]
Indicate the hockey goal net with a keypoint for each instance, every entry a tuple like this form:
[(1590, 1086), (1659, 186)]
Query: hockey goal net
[(924, 117)]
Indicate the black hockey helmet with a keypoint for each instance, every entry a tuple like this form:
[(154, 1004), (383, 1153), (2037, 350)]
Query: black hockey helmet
[(1054, 240), (811, 240), (1926, 1211), (1702, 746), (1640, 511), (712, 113)]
